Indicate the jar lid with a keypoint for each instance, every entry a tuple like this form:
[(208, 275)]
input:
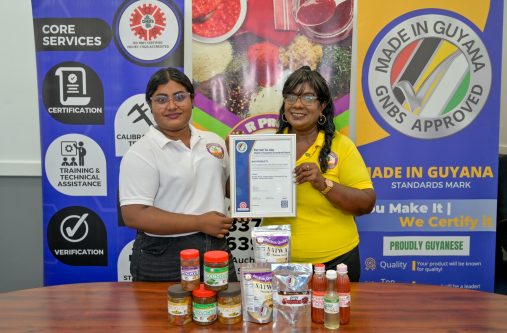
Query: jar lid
[(216, 256), (202, 292), (177, 291), (233, 289), (189, 254)]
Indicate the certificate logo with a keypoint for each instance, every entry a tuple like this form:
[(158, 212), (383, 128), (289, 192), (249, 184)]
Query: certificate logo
[(216, 150), (428, 76), (241, 147), (243, 206)]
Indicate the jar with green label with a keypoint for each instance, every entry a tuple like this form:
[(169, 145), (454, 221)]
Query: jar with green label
[(204, 306), (216, 270)]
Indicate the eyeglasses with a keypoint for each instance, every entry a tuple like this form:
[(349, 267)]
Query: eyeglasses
[(178, 98), (307, 100)]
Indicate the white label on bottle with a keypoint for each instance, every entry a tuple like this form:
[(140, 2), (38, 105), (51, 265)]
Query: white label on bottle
[(331, 306), (318, 302), (344, 300)]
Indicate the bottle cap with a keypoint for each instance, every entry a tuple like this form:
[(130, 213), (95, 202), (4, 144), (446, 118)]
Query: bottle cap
[(319, 268), (202, 292), (331, 274), (216, 256), (342, 268), (231, 291), (189, 254)]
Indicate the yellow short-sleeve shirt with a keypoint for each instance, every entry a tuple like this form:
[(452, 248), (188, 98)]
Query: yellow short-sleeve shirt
[(321, 232)]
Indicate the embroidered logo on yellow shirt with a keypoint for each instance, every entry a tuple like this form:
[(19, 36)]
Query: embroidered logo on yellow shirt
[(332, 160)]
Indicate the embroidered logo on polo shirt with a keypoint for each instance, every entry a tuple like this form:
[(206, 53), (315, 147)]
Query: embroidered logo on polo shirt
[(216, 150), (332, 160)]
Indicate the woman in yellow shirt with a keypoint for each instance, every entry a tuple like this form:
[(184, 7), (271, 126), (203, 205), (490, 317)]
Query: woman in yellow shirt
[(333, 184)]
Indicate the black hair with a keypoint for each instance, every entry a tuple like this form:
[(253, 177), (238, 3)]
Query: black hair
[(163, 76), (305, 75)]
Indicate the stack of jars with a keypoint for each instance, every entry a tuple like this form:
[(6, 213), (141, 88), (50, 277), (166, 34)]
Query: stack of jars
[(204, 303)]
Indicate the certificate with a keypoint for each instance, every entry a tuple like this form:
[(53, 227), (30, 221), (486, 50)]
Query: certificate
[(261, 181)]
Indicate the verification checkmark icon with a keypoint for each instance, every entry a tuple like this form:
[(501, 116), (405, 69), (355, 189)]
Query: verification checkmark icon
[(72, 231)]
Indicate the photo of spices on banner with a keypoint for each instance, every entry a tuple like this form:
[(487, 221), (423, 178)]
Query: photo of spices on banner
[(242, 52)]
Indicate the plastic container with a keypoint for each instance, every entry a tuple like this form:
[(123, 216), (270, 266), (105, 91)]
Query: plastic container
[(331, 304), (179, 305), (216, 270), (190, 269), (319, 284), (229, 305), (343, 289), (204, 306)]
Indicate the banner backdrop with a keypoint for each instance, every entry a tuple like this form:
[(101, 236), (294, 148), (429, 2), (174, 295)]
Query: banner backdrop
[(94, 59), (428, 112)]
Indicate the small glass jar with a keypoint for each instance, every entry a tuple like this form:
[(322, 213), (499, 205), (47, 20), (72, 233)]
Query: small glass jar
[(229, 305), (179, 305), (216, 270), (190, 269), (204, 306)]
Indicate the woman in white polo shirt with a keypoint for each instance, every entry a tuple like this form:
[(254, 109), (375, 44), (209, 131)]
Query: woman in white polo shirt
[(172, 184)]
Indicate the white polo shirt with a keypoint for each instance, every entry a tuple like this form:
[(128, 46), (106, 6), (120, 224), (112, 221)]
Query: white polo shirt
[(160, 172)]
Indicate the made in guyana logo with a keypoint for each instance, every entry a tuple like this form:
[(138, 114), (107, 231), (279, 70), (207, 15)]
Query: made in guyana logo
[(428, 76)]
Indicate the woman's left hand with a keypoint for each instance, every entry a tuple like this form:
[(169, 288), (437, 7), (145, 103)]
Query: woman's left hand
[(310, 172)]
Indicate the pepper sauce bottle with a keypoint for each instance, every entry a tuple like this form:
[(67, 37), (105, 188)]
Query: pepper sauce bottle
[(318, 290), (343, 289)]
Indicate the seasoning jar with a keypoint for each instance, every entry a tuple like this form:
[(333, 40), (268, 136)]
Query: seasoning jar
[(204, 306), (216, 270), (190, 269), (179, 305), (229, 305)]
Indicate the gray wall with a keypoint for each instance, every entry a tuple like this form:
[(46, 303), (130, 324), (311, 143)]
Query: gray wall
[(21, 234)]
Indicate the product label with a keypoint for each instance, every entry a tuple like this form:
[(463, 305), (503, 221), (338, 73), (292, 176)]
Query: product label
[(189, 273), (177, 309), (229, 311), (331, 306), (204, 313), (216, 276), (292, 298), (344, 300), (273, 249), (318, 301)]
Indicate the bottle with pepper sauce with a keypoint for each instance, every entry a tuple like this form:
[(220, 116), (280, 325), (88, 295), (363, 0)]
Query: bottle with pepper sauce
[(318, 290), (343, 289)]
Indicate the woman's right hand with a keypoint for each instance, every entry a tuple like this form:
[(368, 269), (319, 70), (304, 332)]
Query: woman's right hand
[(214, 224)]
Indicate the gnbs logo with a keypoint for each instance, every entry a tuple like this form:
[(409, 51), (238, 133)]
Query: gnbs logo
[(150, 33), (428, 76)]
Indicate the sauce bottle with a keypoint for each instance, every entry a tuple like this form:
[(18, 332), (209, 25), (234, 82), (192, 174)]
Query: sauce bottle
[(190, 269), (343, 289), (331, 305), (319, 285)]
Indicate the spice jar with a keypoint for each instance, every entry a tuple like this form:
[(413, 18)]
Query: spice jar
[(179, 305), (204, 304), (190, 269), (229, 305), (216, 270)]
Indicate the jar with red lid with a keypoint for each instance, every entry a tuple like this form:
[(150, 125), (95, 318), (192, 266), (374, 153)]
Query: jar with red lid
[(216, 270), (190, 269), (204, 306)]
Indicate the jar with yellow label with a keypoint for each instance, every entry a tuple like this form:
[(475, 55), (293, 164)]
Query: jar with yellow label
[(179, 305), (229, 304)]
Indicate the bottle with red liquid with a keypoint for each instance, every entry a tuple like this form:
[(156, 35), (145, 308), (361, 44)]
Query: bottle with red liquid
[(343, 290), (319, 285)]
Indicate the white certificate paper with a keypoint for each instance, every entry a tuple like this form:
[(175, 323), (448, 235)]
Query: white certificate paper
[(261, 181)]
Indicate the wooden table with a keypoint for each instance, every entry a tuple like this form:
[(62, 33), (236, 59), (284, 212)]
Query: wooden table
[(142, 307)]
